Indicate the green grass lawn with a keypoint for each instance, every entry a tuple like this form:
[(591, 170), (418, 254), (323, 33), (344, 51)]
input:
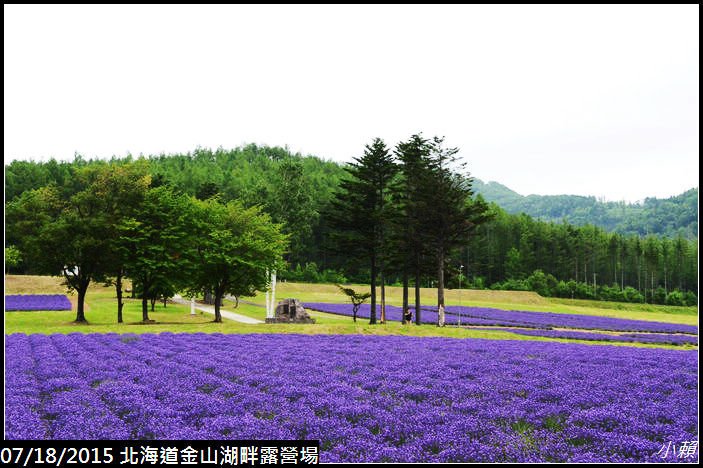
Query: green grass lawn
[(101, 313), (506, 300)]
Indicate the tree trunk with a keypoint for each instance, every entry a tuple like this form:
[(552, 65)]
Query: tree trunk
[(118, 290), (153, 302), (372, 314), (218, 301), (120, 306), (145, 308), (355, 308), (405, 295), (80, 313), (440, 290)]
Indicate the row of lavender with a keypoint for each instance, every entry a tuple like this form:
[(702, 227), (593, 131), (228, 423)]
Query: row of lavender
[(37, 302), (366, 398), (395, 313), (538, 320), (551, 319), (677, 339)]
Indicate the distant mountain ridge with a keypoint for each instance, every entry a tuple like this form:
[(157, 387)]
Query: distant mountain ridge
[(670, 217)]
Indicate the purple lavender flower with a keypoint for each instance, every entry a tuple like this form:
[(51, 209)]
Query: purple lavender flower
[(551, 319), (394, 313), (366, 398), (627, 337), (37, 302)]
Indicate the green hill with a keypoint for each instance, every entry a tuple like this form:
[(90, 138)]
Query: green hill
[(667, 217)]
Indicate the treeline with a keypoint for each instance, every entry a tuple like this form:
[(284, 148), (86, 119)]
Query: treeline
[(558, 259), (298, 192), (671, 217), (104, 222)]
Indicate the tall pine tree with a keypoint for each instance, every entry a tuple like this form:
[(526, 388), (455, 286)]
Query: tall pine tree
[(411, 193), (454, 214), (359, 211)]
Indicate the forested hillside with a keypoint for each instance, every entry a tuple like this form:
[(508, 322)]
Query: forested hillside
[(291, 188), (668, 217), (510, 251)]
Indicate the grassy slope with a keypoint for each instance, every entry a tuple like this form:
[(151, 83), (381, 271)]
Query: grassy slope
[(101, 313)]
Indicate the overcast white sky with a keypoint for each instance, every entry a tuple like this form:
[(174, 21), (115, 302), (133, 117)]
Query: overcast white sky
[(591, 100)]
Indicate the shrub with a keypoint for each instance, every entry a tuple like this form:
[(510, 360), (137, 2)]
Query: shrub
[(632, 295), (675, 298), (659, 296), (690, 299), (611, 293), (542, 284)]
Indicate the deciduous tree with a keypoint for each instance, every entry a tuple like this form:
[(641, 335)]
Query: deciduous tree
[(233, 249)]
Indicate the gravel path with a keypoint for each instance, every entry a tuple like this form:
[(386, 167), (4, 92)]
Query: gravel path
[(211, 310)]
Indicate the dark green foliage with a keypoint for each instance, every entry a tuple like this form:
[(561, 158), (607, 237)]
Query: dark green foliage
[(514, 246), (358, 213), (450, 214), (690, 298), (64, 230), (22, 176), (154, 242), (207, 190), (675, 298), (310, 274), (291, 202), (412, 254), (513, 264), (659, 296), (541, 283)]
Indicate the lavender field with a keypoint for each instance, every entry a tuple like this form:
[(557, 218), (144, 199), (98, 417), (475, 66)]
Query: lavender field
[(37, 302), (366, 398), (538, 323)]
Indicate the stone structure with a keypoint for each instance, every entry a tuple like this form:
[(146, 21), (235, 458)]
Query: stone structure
[(290, 311)]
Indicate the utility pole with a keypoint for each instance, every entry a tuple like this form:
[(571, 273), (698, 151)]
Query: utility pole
[(268, 297), (273, 294)]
